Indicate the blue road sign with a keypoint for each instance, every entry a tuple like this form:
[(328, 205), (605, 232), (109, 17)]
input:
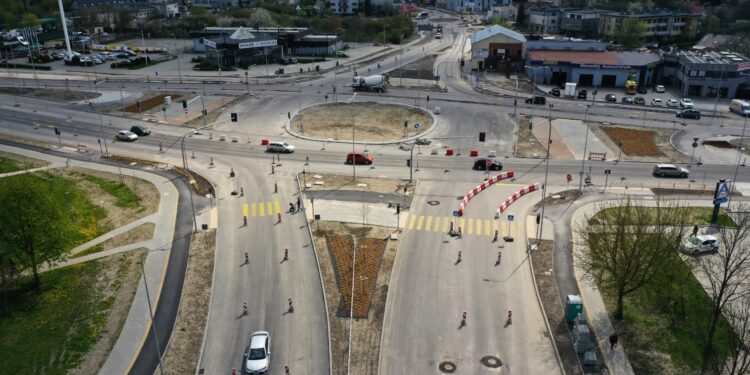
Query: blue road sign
[(417, 126), (720, 201), (722, 191), (456, 213), (510, 217)]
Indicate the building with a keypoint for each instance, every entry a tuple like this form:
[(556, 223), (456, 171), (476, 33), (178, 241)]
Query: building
[(215, 4), (580, 22), (661, 25), (707, 73), (592, 67), (346, 6), (545, 20), (465, 5), (497, 48)]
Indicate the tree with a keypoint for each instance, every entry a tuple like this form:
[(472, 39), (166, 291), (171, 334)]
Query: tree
[(713, 24), (624, 245), (631, 32), (521, 15), (738, 359), (261, 18), (30, 20), (123, 21), (727, 274), (198, 11), (501, 22), (35, 226)]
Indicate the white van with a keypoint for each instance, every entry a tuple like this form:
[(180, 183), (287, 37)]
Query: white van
[(740, 107), (280, 147)]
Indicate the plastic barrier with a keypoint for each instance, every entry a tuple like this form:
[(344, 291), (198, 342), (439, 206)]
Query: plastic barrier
[(474, 153), (448, 152), (484, 185), (528, 189), (264, 142), (598, 156)]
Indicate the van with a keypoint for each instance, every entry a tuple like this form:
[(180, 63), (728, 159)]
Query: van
[(740, 107), (358, 157), (280, 147)]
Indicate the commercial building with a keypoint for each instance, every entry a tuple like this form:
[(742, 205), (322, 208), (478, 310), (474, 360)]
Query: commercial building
[(707, 73), (662, 25), (346, 6), (545, 20), (497, 48), (580, 22)]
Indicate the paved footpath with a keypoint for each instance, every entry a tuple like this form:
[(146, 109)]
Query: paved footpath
[(134, 331)]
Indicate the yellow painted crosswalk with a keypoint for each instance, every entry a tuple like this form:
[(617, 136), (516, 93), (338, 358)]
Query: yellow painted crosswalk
[(469, 226), (269, 208)]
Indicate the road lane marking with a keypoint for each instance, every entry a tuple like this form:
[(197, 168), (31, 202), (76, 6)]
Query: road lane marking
[(505, 228), (494, 227), (277, 205), (244, 209), (428, 224), (411, 221), (512, 229), (487, 227), (437, 224), (470, 226), (446, 223), (461, 224), (262, 208), (253, 209), (419, 223)]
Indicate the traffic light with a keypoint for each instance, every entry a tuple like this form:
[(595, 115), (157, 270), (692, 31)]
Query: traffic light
[(289, 115), (184, 104), (538, 218), (205, 112), (408, 162), (481, 136), (398, 208), (234, 117), (428, 98)]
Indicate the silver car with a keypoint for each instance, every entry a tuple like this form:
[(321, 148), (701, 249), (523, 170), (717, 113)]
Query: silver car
[(670, 170), (126, 135), (700, 244), (258, 354)]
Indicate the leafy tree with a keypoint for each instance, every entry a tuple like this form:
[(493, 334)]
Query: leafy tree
[(521, 16), (261, 18), (87, 19), (198, 11), (501, 22), (631, 33), (713, 24), (35, 226), (30, 20), (123, 21), (625, 245)]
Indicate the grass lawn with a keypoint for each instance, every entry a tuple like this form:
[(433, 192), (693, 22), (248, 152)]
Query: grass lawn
[(9, 165), (13, 163), (125, 195), (698, 215)]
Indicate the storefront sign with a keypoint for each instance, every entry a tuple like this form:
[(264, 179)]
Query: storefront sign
[(209, 43), (262, 43), (481, 53)]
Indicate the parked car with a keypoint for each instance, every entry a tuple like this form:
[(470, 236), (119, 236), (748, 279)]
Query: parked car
[(672, 103), (140, 130), (670, 170), (257, 356), (285, 61), (341, 54), (126, 135), (481, 164), (279, 71), (656, 102), (642, 90), (639, 100), (422, 141), (700, 244), (582, 94), (627, 100), (97, 60), (358, 157), (659, 88), (686, 103), (554, 92), (280, 147), (293, 60), (536, 100), (611, 98), (689, 113), (122, 55)]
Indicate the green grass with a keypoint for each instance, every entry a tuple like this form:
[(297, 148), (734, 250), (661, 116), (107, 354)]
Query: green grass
[(698, 215), (9, 165), (48, 332), (125, 196)]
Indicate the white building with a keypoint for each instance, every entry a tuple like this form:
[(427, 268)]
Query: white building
[(346, 6)]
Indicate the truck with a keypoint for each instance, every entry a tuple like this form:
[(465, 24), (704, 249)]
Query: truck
[(375, 83), (631, 88), (570, 89)]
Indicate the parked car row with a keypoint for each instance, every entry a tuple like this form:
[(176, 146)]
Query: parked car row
[(99, 57)]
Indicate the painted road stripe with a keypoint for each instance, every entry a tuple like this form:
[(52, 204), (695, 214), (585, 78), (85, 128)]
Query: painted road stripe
[(262, 208), (462, 224), (487, 228), (494, 227), (419, 222), (244, 209), (270, 208), (446, 224), (411, 221), (277, 205), (436, 227), (512, 229), (505, 228), (254, 209), (428, 224)]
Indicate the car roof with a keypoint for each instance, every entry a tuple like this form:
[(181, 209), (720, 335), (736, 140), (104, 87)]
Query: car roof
[(666, 166), (706, 237), (258, 339)]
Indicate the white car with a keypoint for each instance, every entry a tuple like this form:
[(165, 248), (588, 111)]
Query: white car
[(686, 103), (280, 147), (258, 354), (126, 135), (656, 102), (672, 103), (700, 244), (660, 88)]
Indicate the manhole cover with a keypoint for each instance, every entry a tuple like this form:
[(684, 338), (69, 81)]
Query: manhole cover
[(447, 367), (433, 203), (491, 361)]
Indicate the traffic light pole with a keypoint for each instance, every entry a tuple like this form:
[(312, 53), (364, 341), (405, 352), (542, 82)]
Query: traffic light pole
[(411, 161)]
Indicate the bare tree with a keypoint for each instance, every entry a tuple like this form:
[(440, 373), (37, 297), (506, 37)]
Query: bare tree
[(737, 361), (726, 274), (624, 245)]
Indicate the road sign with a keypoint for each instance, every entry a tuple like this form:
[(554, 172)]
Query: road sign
[(456, 213), (417, 126), (722, 190), (477, 79), (569, 177), (510, 218), (437, 78)]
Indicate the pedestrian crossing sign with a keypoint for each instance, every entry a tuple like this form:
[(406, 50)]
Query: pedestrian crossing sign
[(510, 218)]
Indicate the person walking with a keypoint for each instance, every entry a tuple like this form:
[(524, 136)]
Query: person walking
[(299, 204), (613, 338)]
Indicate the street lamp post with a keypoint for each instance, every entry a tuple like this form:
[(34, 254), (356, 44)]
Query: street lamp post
[(585, 144), (546, 173), (739, 159), (151, 313), (247, 82), (185, 165), (354, 159), (515, 102), (401, 63)]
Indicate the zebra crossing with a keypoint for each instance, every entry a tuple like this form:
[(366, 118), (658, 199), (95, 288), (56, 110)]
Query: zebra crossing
[(469, 226), (259, 209)]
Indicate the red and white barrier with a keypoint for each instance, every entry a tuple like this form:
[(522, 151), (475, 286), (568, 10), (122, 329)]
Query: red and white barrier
[(480, 187), (528, 189)]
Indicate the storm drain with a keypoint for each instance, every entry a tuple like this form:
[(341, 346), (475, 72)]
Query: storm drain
[(433, 203), (447, 367), (491, 361)]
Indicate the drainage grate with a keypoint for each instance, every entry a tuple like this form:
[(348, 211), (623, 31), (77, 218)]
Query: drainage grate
[(447, 367), (491, 361), (433, 203)]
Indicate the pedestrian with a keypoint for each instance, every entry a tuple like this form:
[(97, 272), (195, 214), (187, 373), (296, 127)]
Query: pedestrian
[(299, 204), (613, 338), (275, 186), (695, 230)]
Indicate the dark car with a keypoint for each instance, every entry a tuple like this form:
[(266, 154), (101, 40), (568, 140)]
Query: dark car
[(582, 94), (482, 164), (536, 100), (639, 100), (690, 113), (642, 90), (627, 100), (140, 130), (610, 98), (554, 92)]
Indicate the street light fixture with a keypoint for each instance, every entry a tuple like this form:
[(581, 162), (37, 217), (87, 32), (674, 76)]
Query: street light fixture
[(739, 159), (585, 144)]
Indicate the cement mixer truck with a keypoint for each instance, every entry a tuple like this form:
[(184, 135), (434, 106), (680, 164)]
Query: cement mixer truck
[(375, 83)]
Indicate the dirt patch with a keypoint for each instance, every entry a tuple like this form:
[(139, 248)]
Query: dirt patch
[(420, 69), (181, 356), (51, 94), (635, 142), (366, 332), (566, 196), (370, 184), (118, 281), (527, 146), (369, 253), (732, 144), (116, 216), (140, 233), (26, 163), (639, 143), (374, 122), (545, 284), (149, 102), (199, 183), (24, 140)]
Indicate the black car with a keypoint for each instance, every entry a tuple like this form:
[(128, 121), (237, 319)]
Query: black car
[(536, 100), (140, 130), (554, 92), (690, 113), (482, 164), (610, 98), (582, 94), (642, 90)]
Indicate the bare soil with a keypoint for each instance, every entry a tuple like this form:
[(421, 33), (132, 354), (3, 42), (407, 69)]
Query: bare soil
[(527, 146), (420, 69), (542, 259), (639, 143), (373, 122), (366, 332), (371, 184), (199, 183), (181, 356), (118, 281), (635, 142), (24, 140), (734, 143), (52, 94), (26, 163), (150, 101)]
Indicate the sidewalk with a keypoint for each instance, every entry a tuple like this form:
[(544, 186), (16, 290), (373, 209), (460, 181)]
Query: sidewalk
[(134, 330)]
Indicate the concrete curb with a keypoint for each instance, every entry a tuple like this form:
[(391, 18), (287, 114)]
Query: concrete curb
[(435, 124), (322, 285)]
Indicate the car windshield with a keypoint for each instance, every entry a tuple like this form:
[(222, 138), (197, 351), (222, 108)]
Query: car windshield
[(256, 354), (694, 241), (364, 155)]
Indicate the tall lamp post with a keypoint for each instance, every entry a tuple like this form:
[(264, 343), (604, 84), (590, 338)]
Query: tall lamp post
[(354, 159), (151, 313), (737, 167), (546, 173), (585, 144), (185, 165)]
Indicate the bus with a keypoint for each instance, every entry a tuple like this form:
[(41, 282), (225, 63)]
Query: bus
[(631, 88)]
